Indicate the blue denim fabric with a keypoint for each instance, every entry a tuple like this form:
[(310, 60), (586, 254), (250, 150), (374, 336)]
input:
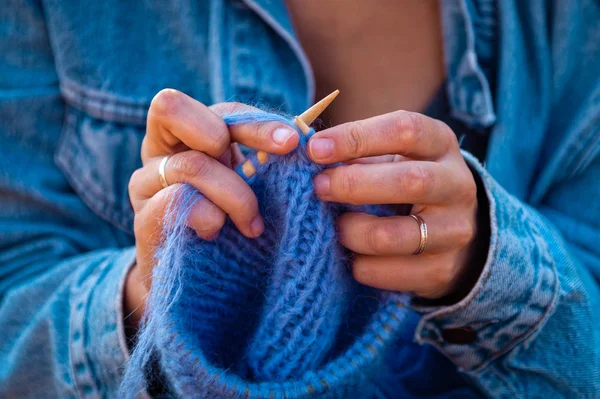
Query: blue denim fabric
[(76, 80)]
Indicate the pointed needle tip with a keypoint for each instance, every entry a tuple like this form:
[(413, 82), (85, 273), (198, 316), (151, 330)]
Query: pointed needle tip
[(313, 112)]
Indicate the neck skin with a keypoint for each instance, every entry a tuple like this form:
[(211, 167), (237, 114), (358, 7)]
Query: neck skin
[(383, 55)]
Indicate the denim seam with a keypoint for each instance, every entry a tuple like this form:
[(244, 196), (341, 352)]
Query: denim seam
[(539, 323), (565, 156), (66, 159), (591, 148), (84, 321), (427, 322), (78, 354), (500, 377), (588, 151), (103, 105), (296, 48), (574, 152), (467, 54), (119, 305), (216, 16), (102, 273), (493, 250)]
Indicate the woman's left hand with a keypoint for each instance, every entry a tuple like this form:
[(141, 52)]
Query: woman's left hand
[(401, 158)]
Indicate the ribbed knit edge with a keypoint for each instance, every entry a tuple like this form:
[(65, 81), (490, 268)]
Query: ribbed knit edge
[(191, 376)]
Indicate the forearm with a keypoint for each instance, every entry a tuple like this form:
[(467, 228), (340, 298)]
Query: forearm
[(529, 315), (63, 328)]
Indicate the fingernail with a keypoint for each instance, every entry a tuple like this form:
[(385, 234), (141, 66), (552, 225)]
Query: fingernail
[(282, 135), (257, 226), (321, 148), (321, 183)]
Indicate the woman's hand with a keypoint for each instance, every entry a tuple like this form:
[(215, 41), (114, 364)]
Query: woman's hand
[(202, 153), (410, 159)]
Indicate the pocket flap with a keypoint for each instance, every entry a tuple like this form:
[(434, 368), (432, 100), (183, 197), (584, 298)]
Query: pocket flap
[(98, 157)]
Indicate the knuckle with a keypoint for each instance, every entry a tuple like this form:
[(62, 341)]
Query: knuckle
[(156, 205), (209, 217), (166, 102), (144, 146), (444, 132), (147, 220), (409, 127), (247, 205), (349, 181), (191, 164), (356, 139), (441, 278), (387, 134), (468, 191), (138, 226), (464, 233), (134, 182), (218, 140), (263, 131), (230, 107), (382, 237), (418, 181), (215, 218)]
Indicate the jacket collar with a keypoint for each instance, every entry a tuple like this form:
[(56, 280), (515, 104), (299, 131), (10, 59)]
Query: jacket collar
[(275, 14)]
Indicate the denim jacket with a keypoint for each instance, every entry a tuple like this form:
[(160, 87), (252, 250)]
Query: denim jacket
[(76, 80)]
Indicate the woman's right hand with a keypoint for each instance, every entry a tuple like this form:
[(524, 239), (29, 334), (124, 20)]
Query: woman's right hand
[(202, 152)]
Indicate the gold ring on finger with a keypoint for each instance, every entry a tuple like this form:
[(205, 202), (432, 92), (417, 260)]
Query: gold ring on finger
[(161, 171), (423, 233)]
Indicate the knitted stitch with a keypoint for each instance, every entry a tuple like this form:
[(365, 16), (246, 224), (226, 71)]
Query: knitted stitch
[(265, 317)]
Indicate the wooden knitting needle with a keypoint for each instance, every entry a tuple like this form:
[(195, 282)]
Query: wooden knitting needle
[(303, 121), (307, 117)]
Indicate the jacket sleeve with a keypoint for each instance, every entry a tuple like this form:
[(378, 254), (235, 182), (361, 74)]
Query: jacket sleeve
[(62, 267), (62, 328), (532, 317)]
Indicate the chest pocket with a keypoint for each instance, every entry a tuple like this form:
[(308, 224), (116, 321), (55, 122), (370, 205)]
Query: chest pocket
[(112, 58), (97, 156)]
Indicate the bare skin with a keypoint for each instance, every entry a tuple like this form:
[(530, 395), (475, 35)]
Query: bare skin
[(382, 55), (394, 155)]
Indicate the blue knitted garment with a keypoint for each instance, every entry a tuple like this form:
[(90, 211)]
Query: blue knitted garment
[(274, 317)]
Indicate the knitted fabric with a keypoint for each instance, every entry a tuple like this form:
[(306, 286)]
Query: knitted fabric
[(278, 316)]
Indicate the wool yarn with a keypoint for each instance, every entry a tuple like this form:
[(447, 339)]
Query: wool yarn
[(278, 316)]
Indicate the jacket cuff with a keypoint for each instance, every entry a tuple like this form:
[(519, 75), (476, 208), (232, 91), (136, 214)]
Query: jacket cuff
[(97, 339), (514, 296)]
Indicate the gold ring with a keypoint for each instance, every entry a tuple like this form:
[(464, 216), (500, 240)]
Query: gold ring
[(161, 171), (423, 231)]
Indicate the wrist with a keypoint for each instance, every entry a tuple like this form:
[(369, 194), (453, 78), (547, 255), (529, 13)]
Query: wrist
[(134, 299), (475, 256)]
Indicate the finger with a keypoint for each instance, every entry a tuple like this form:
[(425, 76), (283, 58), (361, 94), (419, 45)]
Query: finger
[(147, 227), (237, 155), (410, 182), (400, 235), (205, 217), (225, 159), (177, 122), (378, 159), (273, 137), (426, 276), (220, 184), (406, 133)]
